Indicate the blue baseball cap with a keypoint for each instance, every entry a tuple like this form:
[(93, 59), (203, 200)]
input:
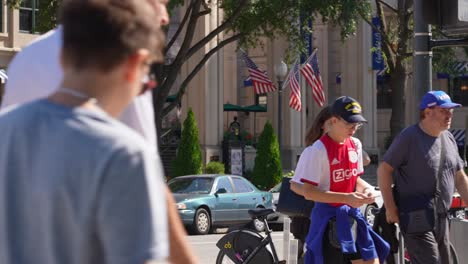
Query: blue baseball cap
[(437, 98)]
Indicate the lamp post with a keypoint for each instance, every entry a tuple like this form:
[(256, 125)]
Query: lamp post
[(281, 69)]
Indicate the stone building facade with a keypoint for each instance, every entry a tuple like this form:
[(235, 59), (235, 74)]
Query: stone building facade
[(346, 69)]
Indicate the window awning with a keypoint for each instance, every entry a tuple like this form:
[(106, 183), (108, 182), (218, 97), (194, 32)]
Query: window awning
[(459, 135), (3, 76), (232, 108), (460, 70)]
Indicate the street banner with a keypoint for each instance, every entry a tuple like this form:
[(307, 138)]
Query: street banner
[(377, 58)]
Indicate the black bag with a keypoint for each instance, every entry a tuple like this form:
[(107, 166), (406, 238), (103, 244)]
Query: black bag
[(333, 233), (418, 221), (292, 204)]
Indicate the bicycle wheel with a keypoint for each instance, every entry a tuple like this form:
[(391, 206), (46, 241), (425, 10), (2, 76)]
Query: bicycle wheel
[(237, 245), (454, 255), (223, 259)]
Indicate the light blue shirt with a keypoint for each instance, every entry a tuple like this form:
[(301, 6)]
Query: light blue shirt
[(77, 187)]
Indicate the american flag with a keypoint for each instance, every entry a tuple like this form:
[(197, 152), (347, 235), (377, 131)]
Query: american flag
[(311, 73), (261, 83), (295, 96)]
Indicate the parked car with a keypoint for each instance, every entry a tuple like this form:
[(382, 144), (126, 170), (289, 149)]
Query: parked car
[(367, 210), (207, 201), (458, 208)]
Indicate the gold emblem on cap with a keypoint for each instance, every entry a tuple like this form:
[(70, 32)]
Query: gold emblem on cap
[(354, 107)]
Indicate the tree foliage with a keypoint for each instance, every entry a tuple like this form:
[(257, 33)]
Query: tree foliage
[(188, 160), (214, 167), (267, 171), (47, 16), (397, 34), (245, 22)]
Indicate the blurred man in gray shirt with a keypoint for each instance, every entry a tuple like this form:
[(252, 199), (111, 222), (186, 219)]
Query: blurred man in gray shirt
[(79, 186)]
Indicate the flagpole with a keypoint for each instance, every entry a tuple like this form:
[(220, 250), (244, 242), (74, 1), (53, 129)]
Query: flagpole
[(310, 57), (285, 83)]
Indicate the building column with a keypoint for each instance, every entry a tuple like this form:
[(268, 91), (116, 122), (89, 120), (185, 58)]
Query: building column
[(369, 91), (214, 93), (357, 82)]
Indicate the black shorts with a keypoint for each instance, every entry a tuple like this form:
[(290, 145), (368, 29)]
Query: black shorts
[(334, 255)]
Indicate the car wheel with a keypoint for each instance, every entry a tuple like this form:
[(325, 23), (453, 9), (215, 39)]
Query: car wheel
[(369, 214), (202, 222), (459, 214)]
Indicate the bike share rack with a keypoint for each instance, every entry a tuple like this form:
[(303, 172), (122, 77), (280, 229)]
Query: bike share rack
[(290, 246)]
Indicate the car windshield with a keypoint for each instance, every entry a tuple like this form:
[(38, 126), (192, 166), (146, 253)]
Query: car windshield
[(191, 185)]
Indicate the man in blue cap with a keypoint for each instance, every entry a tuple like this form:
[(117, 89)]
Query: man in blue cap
[(426, 169)]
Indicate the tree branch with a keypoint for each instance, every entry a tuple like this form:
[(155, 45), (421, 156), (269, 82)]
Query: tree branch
[(195, 71), (219, 29), (382, 32), (205, 5), (388, 47), (407, 55), (206, 11), (190, 31), (388, 6), (174, 67), (180, 28)]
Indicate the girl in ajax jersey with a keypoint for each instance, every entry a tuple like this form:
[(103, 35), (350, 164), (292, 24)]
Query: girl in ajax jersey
[(330, 170)]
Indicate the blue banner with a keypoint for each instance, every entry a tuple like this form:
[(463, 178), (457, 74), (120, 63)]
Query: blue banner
[(308, 39), (377, 58)]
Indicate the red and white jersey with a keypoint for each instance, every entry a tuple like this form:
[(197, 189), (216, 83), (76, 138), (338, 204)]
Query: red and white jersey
[(331, 166)]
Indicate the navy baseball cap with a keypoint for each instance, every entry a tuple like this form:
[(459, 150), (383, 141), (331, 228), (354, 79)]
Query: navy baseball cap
[(437, 98), (349, 109)]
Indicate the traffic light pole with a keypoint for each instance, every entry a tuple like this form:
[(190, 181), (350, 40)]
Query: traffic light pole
[(423, 45), (422, 56)]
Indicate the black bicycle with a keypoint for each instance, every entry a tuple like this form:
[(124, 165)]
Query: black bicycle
[(245, 246)]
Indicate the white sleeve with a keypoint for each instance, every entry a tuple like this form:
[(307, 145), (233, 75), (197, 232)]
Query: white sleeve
[(311, 165), (139, 115), (35, 72), (360, 165)]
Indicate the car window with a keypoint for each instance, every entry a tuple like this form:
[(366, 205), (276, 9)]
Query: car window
[(225, 183), (191, 185), (241, 185)]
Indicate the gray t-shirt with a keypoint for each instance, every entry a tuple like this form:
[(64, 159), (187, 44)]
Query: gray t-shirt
[(415, 157), (77, 187)]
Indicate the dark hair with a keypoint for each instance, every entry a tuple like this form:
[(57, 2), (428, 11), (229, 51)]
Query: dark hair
[(103, 33), (316, 131)]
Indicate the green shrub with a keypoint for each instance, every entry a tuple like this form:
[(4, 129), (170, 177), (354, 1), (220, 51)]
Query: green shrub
[(247, 174), (189, 158), (267, 171), (214, 167)]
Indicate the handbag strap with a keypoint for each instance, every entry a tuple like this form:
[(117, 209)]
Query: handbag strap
[(440, 168)]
